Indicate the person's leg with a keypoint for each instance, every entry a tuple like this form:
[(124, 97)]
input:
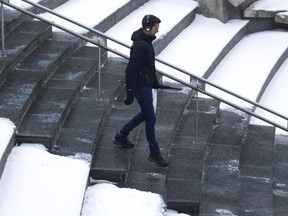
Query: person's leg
[(121, 137), (129, 126), (145, 99)]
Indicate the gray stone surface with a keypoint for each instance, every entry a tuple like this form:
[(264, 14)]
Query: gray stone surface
[(219, 191), (25, 81), (150, 181), (223, 10), (256, 165), (236, 3), (281, 18), (20, 42), (50, 108), (171, 105), (221, 166), (110, 164), (6, 153), (184, 195), (252, 13), (280, 168), (278, 15)]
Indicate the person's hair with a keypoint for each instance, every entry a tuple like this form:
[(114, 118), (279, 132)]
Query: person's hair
[(148, 22)]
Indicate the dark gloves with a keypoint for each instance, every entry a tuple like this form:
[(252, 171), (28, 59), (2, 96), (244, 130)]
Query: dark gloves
[(129, 97)]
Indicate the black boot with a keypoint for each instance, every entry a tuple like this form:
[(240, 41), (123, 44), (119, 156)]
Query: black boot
[(123, 141), (158, 159)]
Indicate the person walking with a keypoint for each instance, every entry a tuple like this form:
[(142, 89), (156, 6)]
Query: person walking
[(140, 79)]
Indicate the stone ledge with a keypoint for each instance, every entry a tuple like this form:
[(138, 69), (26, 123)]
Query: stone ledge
[(8, 141), (282, 17), (236, 3), (259, 13), (184, 195)]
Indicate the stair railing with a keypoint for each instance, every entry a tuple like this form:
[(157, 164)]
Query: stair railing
[(3, 32), (198, 85)]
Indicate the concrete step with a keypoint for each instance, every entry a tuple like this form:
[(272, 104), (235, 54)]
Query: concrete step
[(24, 82), (8, 146), (187, 155), (220, 180), (256, 170), (12, 19), (170, 106), (181, 180), (280, 171), (50, 108), (21, 42), (49, 55), (109, 161), (130, 167), (81, 130)]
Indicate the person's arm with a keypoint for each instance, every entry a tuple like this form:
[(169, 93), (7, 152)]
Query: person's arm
[(132, 71), (134, 66)]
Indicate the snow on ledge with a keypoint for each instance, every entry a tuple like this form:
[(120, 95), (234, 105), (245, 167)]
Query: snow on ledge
[(35, 182), (126, 202)]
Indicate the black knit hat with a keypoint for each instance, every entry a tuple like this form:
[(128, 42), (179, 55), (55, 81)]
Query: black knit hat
[(148, 22)]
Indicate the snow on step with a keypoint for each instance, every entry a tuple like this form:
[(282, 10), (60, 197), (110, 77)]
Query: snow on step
[(245, 69), (86, 12), (194, 49), (170, 13), (105, 199), (35, 182), (275, 98)]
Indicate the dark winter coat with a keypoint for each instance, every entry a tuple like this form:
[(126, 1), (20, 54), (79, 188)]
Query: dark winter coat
[(141, 70)]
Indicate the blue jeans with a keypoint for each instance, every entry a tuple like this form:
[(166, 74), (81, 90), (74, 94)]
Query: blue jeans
[(145, 99)]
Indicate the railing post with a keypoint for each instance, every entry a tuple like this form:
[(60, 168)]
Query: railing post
[(3, 32), (196, 114), (99, 72), (195, 84)]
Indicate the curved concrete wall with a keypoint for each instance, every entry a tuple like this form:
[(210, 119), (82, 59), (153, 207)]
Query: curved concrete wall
[(223, 9), (6, 144)]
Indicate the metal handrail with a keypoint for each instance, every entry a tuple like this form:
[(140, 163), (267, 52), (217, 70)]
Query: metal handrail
[(193, 86)]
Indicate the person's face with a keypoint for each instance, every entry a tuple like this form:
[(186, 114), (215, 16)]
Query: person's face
[(154, 29)]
